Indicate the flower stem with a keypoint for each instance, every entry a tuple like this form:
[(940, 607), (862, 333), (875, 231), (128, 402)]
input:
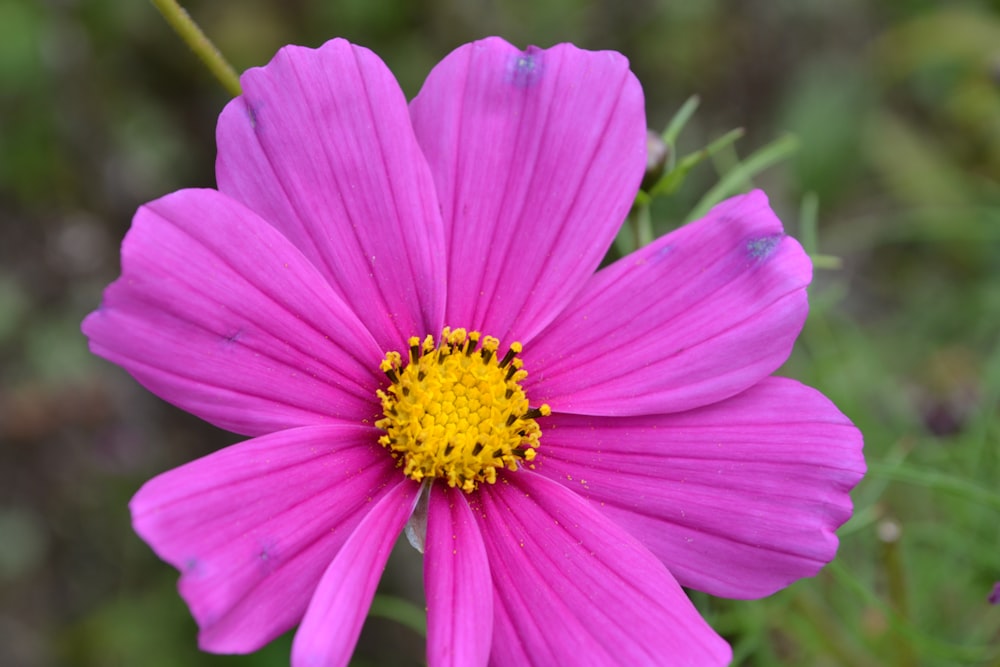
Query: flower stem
[(643, 226), (184, 25)]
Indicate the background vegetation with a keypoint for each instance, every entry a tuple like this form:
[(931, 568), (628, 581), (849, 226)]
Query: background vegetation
[(896, 108)]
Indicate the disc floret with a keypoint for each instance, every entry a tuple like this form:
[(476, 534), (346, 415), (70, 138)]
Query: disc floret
[(456, 411)]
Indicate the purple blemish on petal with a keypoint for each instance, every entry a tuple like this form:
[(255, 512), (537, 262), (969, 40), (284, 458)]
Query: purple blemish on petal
[(232, 338), (251, 114), (763, 247), (267, 555), (525, 68), (663, 252), (994, 597), (192, 568)]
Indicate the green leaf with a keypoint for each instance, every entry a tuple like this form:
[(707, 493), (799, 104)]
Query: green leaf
[(679, 120), (936, 481), (733, 181), (673, 179)]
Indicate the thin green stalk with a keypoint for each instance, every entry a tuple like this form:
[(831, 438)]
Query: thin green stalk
[(677, 124), (184, 25), (809, 223), (929, 646)]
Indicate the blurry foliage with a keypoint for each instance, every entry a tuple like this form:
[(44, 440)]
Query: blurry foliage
[(894, 107)]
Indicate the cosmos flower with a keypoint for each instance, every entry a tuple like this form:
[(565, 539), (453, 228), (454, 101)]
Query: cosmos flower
[(401, 305)]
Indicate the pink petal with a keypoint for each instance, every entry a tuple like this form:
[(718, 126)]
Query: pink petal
[(457, 582), (321, 146), (574, 588), (536, 156), (739, 499), (252, 527), (331, 626), (698, 316), (219, 314)]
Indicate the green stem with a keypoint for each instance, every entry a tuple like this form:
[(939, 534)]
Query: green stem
[(192, 35), (892, 565), (644, 226), (837, 640), (400, 610)]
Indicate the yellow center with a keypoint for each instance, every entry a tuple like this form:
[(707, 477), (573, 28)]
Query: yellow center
[(457, 413)]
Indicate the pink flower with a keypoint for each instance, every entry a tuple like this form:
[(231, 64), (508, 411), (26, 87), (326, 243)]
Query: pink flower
[(305, 302)]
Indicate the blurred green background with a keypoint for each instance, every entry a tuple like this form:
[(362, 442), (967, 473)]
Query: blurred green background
[(896, 106)]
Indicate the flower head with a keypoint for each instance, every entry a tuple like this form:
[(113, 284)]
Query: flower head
[(399, 299)]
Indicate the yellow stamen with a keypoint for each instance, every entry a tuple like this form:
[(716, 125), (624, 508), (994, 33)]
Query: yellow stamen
[(453, 414)]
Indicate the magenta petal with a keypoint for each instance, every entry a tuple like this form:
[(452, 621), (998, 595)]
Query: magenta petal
[(331, 626), (574, 588), (698, 316), (457, 582), (217, 313), (321, 146), (252, 527), (739, 499), (536, 156)]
